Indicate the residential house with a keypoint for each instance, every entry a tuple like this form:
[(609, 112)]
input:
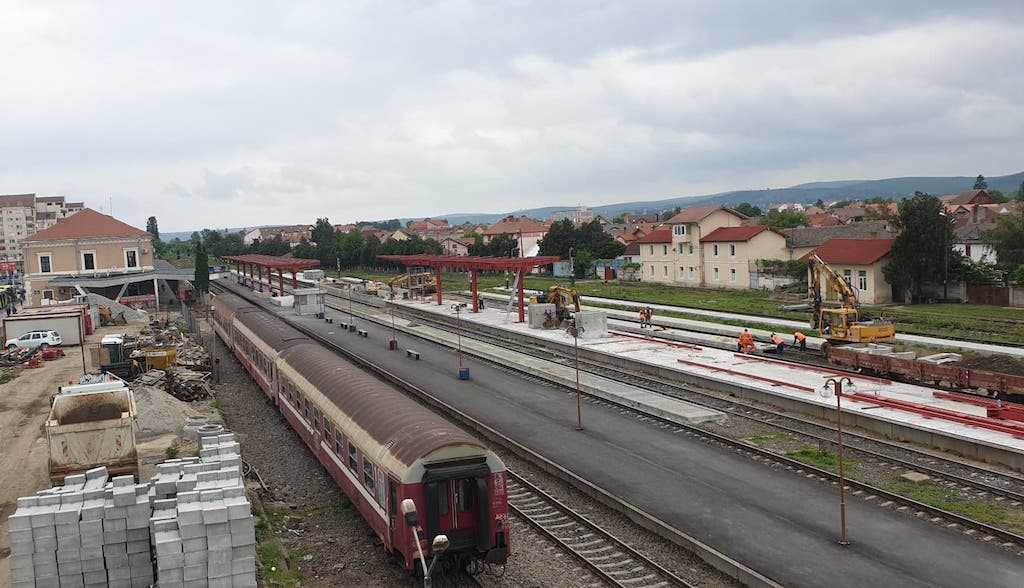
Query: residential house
[(687, 229), (970, 197), (860, 263), (343, 228), (657, 257), (456, 246), (641, 219), (93, 252), (290, 234), (822, 219), (400, 235), (632, 253), (528, 231), (731, 254), (970, 240), (429, 228), (803, 239)]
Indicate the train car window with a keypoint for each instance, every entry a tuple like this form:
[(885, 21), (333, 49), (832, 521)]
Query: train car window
[(392, 499), (368, 474), (467, 489), (337, 447), (353, 457), (382, 494), (316, 418)]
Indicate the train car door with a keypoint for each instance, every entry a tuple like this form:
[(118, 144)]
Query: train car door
[(396, 524)]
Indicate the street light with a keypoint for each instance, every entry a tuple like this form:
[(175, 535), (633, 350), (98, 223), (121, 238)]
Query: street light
[(393, 343), (463, 370), (439, 545), (351, 316), (576, 332), (826, 389)]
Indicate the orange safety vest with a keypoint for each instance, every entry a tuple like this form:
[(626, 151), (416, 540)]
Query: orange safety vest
[(799, 336), (776, 339)]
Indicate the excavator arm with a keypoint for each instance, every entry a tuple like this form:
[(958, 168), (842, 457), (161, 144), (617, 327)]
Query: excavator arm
[(846, 293)]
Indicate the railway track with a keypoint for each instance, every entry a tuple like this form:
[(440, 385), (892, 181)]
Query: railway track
[(980, 481), (603, 554)]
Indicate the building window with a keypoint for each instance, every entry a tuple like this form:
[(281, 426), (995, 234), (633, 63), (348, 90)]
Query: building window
[(693, 273), (664, 249), (131, 258), (967, 250), (732, 275), (848, 276), (44, 264), (691, 249), (714, 250), (664, 270), (732, 250), (862, 279), (651, 249), (714, 273), (47, 294), (652, 270), (88, 260), (679, 230)]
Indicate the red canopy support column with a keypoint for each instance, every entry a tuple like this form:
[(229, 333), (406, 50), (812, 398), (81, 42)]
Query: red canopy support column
[(280, 281), (295, 282), (437, 281), (259, 268), (519, 288), (408, 282), (472, 288), (238, 271)]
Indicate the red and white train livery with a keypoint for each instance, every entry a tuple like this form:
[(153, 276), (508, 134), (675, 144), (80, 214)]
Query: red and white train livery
[(380, 446)]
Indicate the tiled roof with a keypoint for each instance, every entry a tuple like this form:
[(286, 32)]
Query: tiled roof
[(17, 200), (659, 236), (87, 224), (969, 197), (696, 214), (632, 249), (511, 224), (852, 251), (734, 233), (815, 236)]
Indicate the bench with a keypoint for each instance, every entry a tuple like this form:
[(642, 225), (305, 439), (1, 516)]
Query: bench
[(362, 333), (412, 353)]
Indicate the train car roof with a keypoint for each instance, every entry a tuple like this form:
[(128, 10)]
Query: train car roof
[(385, 423), (273, 331)]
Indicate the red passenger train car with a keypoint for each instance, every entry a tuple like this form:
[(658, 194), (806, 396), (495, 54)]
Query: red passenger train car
[(380, 446)]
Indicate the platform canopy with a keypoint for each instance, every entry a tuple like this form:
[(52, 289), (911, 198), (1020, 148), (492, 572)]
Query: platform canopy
[(475, 264), (247, 263)]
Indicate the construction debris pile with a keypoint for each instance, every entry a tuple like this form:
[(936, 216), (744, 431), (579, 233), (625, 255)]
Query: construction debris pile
[(190, 525), (171, 360)]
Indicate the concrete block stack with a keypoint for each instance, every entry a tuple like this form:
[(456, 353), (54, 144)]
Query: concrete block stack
[(192, 520)]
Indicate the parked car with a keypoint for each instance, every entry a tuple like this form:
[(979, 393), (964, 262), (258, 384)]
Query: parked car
[(33, 339)]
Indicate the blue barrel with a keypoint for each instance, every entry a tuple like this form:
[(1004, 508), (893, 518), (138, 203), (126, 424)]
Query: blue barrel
[(463, 372)]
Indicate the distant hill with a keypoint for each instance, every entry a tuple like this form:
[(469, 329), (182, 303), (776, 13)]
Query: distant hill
[(897, 188)]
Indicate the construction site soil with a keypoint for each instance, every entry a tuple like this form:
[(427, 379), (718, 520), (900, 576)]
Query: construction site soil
[(323, 540)]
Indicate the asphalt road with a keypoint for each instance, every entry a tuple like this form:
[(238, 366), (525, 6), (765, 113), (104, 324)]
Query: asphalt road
[(781, 524)]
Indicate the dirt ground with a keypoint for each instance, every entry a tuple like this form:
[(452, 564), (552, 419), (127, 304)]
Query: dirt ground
[(24, 406)]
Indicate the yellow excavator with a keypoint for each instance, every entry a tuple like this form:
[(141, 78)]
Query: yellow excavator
[(844, 324), (563, 299)]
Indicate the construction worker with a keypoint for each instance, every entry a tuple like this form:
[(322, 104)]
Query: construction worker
[(780, 345), (800, 338), (649, 312), (643, 317), (746, 342)]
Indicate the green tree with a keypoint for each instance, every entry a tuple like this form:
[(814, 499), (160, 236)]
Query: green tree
[(202, 283), (350, 249), (621, 219), (820, 204), (583, 265), (560, 236), (980, 183), (998, 196), (748, 209), (923, 247), (784, 219), (152, 228), (1007, 238)]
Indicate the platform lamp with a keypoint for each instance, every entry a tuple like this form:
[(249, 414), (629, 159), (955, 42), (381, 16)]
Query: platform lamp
[(439, 545), (463, 370), (576, 332), (836, 385), (393, 342), (351, 316)]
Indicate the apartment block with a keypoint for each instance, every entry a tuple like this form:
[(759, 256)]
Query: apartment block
[(23, 215)]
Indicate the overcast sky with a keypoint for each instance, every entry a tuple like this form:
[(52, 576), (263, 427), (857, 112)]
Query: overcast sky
[(217, 114)]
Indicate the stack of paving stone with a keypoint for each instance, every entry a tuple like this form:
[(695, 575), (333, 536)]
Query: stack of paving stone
[(193, 519), (89, 532)]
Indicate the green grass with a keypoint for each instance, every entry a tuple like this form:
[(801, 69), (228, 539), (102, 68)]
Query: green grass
[(215, 403), (825, 460), (8, 375), (278, 566), (172, 451), (956, 503), (767, 437)]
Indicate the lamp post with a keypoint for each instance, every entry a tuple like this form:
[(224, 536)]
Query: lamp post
[(351, 316), (463, 370), (439, 545), (393, 343), (836, 385), (576, 332)]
